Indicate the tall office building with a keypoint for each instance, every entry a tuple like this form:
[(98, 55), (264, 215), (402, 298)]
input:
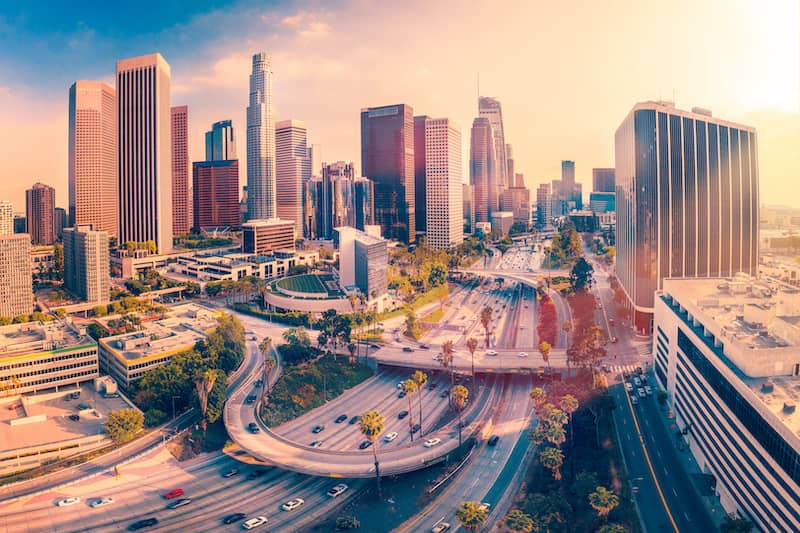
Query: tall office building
[(335, 198), (40, 205), (517, 200), (570, 193), (314, 163), (544, 206), (261, 202), (145, 146), (491, 109), (215, 195), (221, 142), (468, 207), (363, 212), (519, 180), (20, 223), (6, 218), (93, 184), (602, 180), (16, 280), (510, 166), (86, 259), (60, 221), (483, 169), (420, 189), (687, 200), (445, 212), (265, 236), (181, 190), (387, 158), (568, 174), (363, 261), (291, 161)]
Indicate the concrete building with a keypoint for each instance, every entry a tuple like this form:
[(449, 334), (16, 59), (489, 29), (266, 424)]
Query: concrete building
[(602, 202), (291, 160), (420, 187), (443, 176), (93, 183), (16, 281), (263, 237), (544, 206), (727, 352), (387, 158), (86, 263), (502, 222), (491, 109), (468, 207), (261, 202), (363, 261), (215, 194), (221, 142), (483, 169), (40, 205), (6, 217), (145, 146), (234, 266), (603, 180), (37, 356), (181, 186), (518, 201), (687, 200)]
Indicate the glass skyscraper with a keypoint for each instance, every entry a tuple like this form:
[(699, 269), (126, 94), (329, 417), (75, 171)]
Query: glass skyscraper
[(261, 202), (687, 200)]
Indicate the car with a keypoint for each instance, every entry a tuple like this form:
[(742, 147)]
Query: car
[(430, 443), (376, 346), (258, 383), (318, 428), (400, 384), (231, 518), (68, 501), (141, 524), (424, 346), (611, 321), (398, 339), (401, 394), (637, 382), (111, 395), (415, 428), (634, 400), (337, 490), (340, 419), (493, 440), (407, 349), (256, 473), (431, 386), (642, 393), (437, 357), (483, 506), (83, 407), (179, 503), (441, 527), (100, 502), (648, 389), (293, 504), (354, 420), (250, 400), (74, 417), (253, 427), (389, 437), (445, 393), (491, 353), (402, 414), (522, 354), (614, 340), (74, 395), (174, 493), (316, 444), (230, 473), (365, 444), (254, 522), (628, 386)]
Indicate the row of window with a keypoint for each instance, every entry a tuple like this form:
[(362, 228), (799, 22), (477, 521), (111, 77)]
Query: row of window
[(55, 370), (61, 379), (46, 360)]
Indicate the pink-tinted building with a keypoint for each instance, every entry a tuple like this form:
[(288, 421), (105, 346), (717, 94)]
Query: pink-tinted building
[(40, 205), (216, 194), (181, 196), (482, 171)]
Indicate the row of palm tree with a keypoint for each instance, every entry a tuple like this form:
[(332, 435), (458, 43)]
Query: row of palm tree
[(550, 428)]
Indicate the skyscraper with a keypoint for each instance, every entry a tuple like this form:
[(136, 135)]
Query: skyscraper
[(6, 218), (16, 280), (468, 207), (291, 160), (181, 194), (602, 180), (519, 180), (420, 189), (221, 142), (86, 263), (60, 221), (445, 213), (40, 205), (568, 174), (145, 145), (363, 203), (544, 206), (261, 202), (387, 158), (510, 166), (482, 169), (687, 200), (93, 184), (491, 109), (215, 195), (335, 197)]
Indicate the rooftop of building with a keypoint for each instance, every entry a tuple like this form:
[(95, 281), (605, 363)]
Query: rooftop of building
[(33, 337), (266, 222), (698, 113)]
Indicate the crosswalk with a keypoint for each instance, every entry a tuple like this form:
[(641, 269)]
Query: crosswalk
[(617, 369)]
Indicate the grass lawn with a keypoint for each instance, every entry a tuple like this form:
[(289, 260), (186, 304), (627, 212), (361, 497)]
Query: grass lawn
[(420, 300), (302, 283), (300, 388)]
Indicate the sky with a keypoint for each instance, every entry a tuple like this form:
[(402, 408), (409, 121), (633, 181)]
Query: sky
[(566, 73)]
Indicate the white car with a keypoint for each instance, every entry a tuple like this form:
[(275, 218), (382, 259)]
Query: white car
[(430, 443), (491, 352), (254, 522), (522, 354), (68, 501), (389, 437), (99, 502), (337, 490), (648, 389), (441, 527), (641, 392), (291, 505)]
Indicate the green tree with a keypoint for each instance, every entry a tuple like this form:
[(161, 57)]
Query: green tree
[(459, 394), (544, 350), (471, 515), (298, 345), (518, 522), (486, 319), (421, 379), (448, 352), (371, 426), (203, 384), (603, 501), (437, 275), (552, 459), (612, 528), (472, 345), (734, 524), (123, 425), (580, 277), (100, 311), (569, 404), (410, 387), (412, 324), (585, 483), (538, 397)]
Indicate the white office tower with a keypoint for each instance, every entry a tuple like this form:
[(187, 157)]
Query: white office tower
[(444, 189), (261, 201), (291, 162), (6, 218)]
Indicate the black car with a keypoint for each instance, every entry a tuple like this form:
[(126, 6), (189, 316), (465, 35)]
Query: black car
[(415, 428), (256, 474), (365, 444), (253, 427), (74, 417), (424, 346), (493, 440), (258, 383), (230, 473), (318, 428), (140, 524), (250, 400), (401, 394), (235, 517), (179, 503), (445, 393), (402, 414), (340, 419), (354, 420), (407, 349)]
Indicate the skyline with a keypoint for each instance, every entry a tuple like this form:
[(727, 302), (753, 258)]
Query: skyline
[(549, 116)]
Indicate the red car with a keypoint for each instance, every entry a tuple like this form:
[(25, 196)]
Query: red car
[(174, 493)]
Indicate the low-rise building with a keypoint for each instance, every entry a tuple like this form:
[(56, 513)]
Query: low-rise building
[(262, 237), (602, 202), (584, 221), (235, 266), (36, 356)]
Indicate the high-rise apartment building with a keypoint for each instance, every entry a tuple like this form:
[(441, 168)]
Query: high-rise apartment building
[(387, 158), (221, 142), (40, 205), (215, 194), (603, 180), (483, 169), (16, 280), (687, 200), (86, 263), (145, 146), (291, 160), (181, 190), (544, 206), (420, 188), (6, 218), (93, 183), (261, 201), (491, 109), (445, 215)]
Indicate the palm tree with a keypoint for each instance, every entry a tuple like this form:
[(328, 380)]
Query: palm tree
[(264, 346), (472, 345), (204, 383), (486, 318), (351, 347), (544, 349), (518, 522), (539, 397), (556, 416), (410, 387), (569, 404), (269, 364), (459, 395), (552, 458), (448, 350), (421, 379), (603, 501), (371, 426), (471, 515), (556, 434)]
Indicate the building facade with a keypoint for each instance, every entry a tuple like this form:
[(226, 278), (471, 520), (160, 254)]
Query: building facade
[(483, 169), (6, 217), (518, 201), (603, 180), (181, 186), (363, 203), (262, 237), (491, 109), (93, 184), (502, 222), (16, 280), (363, 261), (215, 194), (687, 201), (291, 160), (261, 202), (468, 207), (221, 142), (602, 202), (443, 175), (420, 188), (86, 263), (145, 146), (40, 205)]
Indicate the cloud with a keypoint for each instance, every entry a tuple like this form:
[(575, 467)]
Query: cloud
[(293, 20), (315, 30)]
